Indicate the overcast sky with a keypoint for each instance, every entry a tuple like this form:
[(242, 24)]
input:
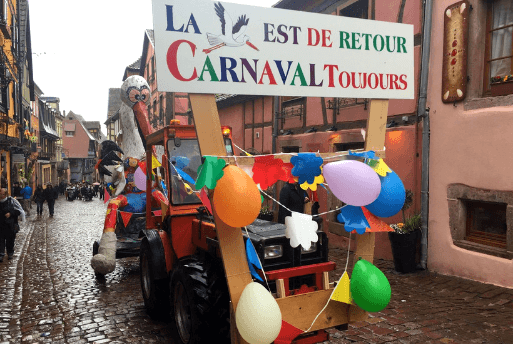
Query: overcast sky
[(81, 49)]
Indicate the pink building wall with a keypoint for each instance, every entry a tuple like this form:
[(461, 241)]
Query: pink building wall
[(78, 145), (470, 144)]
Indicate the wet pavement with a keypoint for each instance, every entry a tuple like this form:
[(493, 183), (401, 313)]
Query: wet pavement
[(49, 294)]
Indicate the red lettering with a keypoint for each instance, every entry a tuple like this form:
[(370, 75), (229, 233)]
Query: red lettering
[(393, 82), (267, 71), (317, 37), (330, 74), (326, 36), (172, 60), (348, 79), (402, 80), (383, 87), (376, 80)]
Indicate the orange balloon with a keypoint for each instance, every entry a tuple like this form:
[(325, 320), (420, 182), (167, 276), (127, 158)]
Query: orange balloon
[(236, 198)]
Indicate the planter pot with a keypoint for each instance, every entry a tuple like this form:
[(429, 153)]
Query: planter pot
[(502, 88), (404, 250)]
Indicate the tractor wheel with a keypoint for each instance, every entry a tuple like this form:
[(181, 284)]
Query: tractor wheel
[(199, 302), (155, 292)]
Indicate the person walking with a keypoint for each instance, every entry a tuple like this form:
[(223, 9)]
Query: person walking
[(292, 197), (39, 198), (10, 210), (15, 191), (26, 193), (102, 191), (50, 194)]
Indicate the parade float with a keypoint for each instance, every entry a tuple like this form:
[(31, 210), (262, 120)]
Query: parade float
[(204, 259)]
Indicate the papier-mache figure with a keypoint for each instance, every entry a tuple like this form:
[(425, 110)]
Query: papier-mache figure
[(117, 168)]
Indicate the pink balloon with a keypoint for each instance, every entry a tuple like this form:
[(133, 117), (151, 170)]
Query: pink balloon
[(352, 182), (140, 179)]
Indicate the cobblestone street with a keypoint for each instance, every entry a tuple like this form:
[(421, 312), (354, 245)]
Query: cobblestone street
[(49, 294)]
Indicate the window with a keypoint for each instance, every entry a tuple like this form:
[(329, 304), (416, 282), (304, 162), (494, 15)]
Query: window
[(70, 133), (499, 48), (339, 147), (486, 223)]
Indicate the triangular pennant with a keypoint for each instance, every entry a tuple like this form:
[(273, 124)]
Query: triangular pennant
[(375, 223), (381, 168), (154, 162), (342, 292), (287, 333), (106, 196), (126, 216), (157, 213), (253, 260), (203, 196)]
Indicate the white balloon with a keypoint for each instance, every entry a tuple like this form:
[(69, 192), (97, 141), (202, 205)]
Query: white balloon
[(258, 316)]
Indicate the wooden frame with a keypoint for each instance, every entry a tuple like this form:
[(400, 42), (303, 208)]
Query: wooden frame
[(498, 89), (299, 310)]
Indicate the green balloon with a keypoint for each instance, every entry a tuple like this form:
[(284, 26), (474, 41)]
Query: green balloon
[(370, 288)]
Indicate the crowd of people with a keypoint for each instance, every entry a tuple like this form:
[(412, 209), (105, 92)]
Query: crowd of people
[(83, 191), (16, 207)]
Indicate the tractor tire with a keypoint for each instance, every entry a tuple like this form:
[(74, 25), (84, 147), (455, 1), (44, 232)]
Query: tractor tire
[(155, 292), (199, 302)]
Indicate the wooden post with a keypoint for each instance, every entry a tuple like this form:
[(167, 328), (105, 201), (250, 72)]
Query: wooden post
[(233, 252), (374, 140)]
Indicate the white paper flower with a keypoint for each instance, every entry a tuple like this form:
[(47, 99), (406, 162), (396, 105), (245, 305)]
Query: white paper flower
[(301, 230)]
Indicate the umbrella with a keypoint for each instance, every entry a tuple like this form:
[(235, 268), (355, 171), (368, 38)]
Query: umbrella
[(96, 183)]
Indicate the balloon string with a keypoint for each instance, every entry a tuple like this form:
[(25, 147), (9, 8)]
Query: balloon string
[(262, 265), (329, 299)]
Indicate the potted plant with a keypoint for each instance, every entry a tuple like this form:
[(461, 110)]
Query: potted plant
[(404, 239), (266, 214)]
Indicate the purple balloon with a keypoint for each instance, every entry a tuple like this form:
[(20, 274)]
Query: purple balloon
[(352, 182)]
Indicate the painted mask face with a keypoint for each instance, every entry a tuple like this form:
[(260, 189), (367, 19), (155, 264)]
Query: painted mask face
[(135, 89)]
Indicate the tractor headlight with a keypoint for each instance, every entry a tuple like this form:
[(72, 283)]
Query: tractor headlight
[(273, 251), (312, 248)]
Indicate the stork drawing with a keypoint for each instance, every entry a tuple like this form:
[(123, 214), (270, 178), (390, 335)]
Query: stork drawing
[(232, 34)]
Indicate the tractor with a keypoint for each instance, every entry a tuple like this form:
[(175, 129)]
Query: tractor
[(182, 272)]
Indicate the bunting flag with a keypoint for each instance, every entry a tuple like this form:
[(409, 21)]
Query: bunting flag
[(154, 162), (253, 260), (287, 333), (375, 223), (106, 196), (342, 292), (203, 196), (381, 168), (157, 213), (126, 216)]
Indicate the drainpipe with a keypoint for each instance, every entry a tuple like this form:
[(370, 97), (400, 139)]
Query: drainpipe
[(423, 112), (276, 108)]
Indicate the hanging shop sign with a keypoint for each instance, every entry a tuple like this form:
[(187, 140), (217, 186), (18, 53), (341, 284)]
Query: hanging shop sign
[(18, 158), (454, 68), (216, 47)]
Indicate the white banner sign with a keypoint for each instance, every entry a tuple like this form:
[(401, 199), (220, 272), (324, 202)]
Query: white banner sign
[(216, 47)]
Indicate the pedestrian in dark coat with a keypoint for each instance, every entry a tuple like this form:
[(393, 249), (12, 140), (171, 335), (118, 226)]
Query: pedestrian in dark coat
[(50, 194), (39, 198), (10, 210), (292, 197), (102, 191)]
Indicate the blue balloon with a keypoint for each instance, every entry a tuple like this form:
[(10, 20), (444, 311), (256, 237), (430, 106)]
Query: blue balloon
[(391, 197)]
